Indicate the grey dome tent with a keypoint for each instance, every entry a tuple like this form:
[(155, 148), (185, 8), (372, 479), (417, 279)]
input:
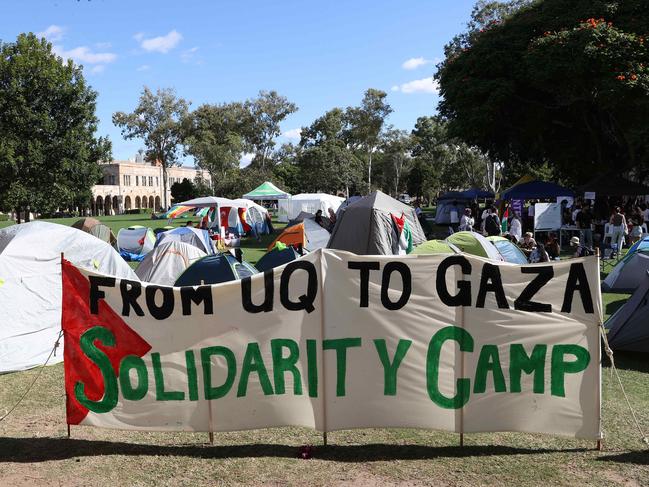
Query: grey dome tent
[(628, 328), (628, 274), (164, 264), (366, 228), (277, 257)]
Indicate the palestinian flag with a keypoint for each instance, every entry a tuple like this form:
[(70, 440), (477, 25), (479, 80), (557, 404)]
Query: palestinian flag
[(404, 234)]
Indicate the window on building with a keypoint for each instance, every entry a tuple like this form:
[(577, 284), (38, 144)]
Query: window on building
[(124, 178), (137, 180), (150, 180), (157, 181)]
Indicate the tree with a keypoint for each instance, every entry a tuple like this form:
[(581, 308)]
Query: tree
[(213, 134), (326, 163), (183, 191), (157, 119), (48, 150), (366, 123), (565, 83), (267, 111), (396, 146)]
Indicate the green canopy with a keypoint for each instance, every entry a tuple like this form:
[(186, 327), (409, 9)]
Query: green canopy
[(435, 247), (266, 191), (475, 244)]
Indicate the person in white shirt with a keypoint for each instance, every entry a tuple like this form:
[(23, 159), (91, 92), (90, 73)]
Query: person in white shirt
[(515, 227), (467, 222), (485, 213)]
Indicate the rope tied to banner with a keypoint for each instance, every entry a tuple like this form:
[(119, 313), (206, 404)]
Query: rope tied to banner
[(40, 371), (609, 354)]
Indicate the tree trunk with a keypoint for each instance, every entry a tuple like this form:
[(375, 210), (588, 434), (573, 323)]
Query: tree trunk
[(369, 174), (18, 215), (164, 186), (27, 211)]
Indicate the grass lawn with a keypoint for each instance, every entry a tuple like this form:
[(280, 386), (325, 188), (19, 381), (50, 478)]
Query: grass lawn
[(34, 449)]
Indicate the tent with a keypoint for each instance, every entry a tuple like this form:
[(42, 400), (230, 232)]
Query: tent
[(311, 203), (266, 191), (254, 217), (96, 228), (432, 247), (135, 242), (306, 234), (475, 244), (444, 208), (509, 250), (277, 257), (628, 274), (346, 203), (641, 245), (628, 328), (613, 185), (366, 227), (536, 190), (190, 235), (168, 261), (214, 269), (30, 286)]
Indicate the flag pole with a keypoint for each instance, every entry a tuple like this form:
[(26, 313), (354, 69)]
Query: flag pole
[(65, 388)]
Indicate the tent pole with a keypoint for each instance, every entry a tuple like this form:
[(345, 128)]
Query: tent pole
[(209, 407), (66, 392), (599, 446), (461, 324)]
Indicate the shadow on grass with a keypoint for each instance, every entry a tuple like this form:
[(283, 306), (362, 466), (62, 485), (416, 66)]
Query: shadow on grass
[(29, 450), (638, 457)]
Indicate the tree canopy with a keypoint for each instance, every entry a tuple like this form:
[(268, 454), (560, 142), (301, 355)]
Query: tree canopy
[(551, 81), (49, 152), (157, 120)]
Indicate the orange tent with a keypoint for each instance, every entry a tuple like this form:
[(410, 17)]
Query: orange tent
[(293, 235)]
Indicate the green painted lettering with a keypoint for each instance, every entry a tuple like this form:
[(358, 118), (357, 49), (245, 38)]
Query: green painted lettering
[(463, 385), (312, 366), (489, 361), (158, 375), (87, 344), (520, 362), (192, 376), (560, 367), (253, 362), (212, 392), (282, 364), (340, 345), (390, 368), (128, 363)]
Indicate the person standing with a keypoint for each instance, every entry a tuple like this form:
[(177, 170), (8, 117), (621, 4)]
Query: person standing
[(492, 225), (467, 222), (455, 217), (618, 221), (515, 227), (584, 222)]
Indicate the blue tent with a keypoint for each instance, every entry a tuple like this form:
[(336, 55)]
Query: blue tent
[(536, 190), (475, 194), (468, 195), (214, 269), (277, 257)]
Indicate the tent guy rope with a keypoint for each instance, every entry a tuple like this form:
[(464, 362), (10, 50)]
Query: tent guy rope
[(40, 371)]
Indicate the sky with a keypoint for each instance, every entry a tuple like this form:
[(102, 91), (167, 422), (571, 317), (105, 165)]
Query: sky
[(320, 55)]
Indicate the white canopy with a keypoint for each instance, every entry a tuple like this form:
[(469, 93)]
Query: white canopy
[(30, 286), (247, 204), (208, 201), (311, 203)]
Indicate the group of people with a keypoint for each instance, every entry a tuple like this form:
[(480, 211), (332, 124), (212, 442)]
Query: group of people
[(328, 223)]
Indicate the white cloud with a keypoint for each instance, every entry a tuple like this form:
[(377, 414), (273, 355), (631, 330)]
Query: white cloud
[(188, 54), (84, 55), (414, 63), (246, 159), (53, 33), (144, 67), (99, 68), (424, 85), (103, 45), (161, 44), (294, 134)]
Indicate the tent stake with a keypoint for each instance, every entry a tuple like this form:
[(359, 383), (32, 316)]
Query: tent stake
[(324, 438), (599, 445)]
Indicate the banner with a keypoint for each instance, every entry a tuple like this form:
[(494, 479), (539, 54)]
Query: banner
[(335, 341)]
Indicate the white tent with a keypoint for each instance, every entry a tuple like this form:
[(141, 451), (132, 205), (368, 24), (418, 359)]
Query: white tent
[(310, 203), (167, 262), (30, 286)]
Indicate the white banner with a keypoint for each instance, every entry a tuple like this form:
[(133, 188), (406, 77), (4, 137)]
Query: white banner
[(336, 341)]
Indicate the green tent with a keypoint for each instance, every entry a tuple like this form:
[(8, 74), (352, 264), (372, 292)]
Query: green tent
[(266, 191), (475, 244), (435, 247)]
